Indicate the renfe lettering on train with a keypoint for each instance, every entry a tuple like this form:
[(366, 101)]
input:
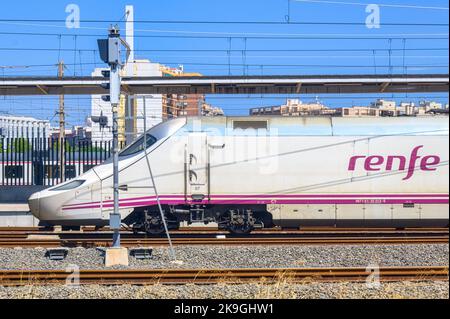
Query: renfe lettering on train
[(396, 162)]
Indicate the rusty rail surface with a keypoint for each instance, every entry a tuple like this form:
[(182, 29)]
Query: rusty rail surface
[(52, 242), (213, 276)]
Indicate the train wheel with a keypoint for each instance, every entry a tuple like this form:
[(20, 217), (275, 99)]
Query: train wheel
[(240, 229), (154, 224), (241, 222), (155, 231)]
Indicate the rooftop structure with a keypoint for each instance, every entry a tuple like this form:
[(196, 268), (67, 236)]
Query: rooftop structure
[(294, 107)]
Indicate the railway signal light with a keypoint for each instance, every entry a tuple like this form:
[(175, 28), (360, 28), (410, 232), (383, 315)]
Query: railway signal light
[(101, 120), (103, 49), (110, 48)]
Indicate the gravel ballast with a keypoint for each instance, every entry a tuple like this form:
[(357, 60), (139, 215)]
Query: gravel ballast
[(195, 257), (398, 290)]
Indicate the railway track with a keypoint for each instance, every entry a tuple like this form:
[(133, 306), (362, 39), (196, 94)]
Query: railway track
[(36, 237), (18, 232), (213, 276), (231, 241), (193, 229)]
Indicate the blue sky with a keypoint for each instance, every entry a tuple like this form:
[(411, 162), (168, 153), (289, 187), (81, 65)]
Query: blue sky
[(364, 56)]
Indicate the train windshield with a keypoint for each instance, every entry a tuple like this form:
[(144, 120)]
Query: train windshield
[(138, 146), (69, 186)]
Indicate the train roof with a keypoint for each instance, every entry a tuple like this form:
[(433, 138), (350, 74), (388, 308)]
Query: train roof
[(321, 126)]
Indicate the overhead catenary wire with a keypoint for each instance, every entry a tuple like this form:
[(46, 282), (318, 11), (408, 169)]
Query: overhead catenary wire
[(242, 22), (185, 33), (232, 50), (247, 64), (388, 5), (422, 37)]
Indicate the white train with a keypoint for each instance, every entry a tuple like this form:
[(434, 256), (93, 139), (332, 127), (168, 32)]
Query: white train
[(251, 172)]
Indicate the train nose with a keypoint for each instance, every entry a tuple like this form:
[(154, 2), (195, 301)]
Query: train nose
[(33, 203)]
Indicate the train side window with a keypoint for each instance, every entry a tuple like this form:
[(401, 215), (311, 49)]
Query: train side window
[(14, 171), (138, 146)]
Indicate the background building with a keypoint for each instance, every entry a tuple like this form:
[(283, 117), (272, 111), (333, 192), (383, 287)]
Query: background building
[(75, 135), (131, 108), (358, 111), (387, 108), (23, 127), (157, 107), (294, 107), (175, 105), (209, 110)]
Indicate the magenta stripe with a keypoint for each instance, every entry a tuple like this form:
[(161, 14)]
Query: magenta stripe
[(276, 196), (330, 195), (294, 201), (283, 201), (125, 199)]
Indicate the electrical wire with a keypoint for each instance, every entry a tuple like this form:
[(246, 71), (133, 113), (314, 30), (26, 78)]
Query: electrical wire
[(388, 5), (233, 50), (313, 23), (303, 37)]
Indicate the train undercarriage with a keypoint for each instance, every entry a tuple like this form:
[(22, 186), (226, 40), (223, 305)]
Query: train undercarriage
[(243, 219), (236, 220)]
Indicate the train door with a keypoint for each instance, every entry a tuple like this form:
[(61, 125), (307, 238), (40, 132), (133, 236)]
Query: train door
[(197, 167)]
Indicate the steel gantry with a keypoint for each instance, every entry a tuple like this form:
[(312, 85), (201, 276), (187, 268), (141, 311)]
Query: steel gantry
[(304, 84)]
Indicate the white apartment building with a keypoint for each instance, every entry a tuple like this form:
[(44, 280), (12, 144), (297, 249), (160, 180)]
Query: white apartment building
[(23, 127), (387, 108), (430, 105), (424, 107)]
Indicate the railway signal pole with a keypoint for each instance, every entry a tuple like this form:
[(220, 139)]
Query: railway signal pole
[(110, 50), (62, 127), (114, 82)]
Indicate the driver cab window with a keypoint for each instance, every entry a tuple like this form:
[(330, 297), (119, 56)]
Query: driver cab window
[(138, 146)]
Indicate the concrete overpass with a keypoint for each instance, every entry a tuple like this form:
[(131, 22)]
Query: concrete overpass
[(302, 84)]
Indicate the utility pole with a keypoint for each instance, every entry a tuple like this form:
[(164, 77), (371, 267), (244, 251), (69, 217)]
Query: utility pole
[(62, 128)]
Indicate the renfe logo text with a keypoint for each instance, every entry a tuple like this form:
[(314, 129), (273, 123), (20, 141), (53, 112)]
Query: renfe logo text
[(396, 162)]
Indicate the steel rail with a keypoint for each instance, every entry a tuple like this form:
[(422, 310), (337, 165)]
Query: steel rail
[(213, 276), (231, 241), (191, 229)]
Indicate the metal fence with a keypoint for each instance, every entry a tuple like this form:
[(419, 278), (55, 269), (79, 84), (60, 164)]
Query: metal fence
[(37, 161)]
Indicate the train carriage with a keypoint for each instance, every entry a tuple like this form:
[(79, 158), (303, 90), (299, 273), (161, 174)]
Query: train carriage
[(245, 173)]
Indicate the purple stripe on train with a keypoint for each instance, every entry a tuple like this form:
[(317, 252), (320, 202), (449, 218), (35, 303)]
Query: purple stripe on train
[(282, 201), (271, 196)]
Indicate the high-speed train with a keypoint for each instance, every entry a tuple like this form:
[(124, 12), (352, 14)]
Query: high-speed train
[(245, 173)]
